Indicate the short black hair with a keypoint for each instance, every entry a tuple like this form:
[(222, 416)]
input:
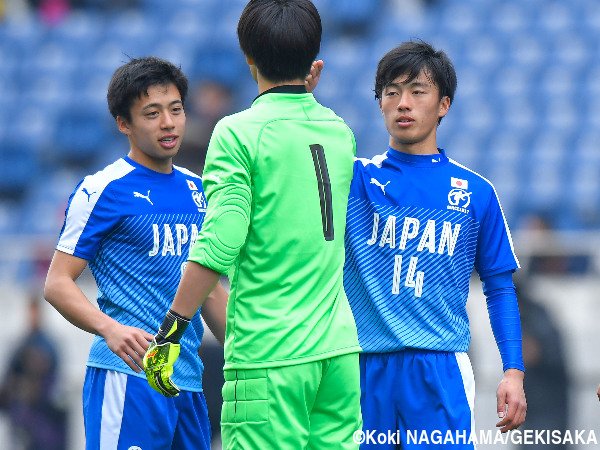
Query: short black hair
[(283, 37), (409, 59), (132, 80)]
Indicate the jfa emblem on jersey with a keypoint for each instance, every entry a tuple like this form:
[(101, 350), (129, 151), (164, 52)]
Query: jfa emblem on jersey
[(458, 198), (199, 200), (191, 185)]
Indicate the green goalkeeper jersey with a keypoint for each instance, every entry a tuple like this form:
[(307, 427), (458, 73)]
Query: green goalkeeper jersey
[(277, 179)]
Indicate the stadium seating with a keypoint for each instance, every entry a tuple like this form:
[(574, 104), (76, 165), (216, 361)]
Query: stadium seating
[(525, 108)]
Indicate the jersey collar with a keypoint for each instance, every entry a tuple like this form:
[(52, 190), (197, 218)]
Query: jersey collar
[(147, 170), (437, 159), (283, 89)]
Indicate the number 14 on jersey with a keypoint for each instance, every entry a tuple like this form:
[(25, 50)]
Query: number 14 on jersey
[(414, 278)]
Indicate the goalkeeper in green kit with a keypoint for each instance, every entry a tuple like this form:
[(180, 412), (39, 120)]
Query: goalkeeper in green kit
[(277, 179)]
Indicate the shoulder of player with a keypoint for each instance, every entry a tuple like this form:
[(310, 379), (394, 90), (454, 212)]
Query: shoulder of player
[(187, 172), (474, 178), (374, 162), (101, 180)]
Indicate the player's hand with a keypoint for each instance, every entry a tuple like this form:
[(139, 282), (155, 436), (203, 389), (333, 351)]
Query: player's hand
[(598, 392), (511, 403), (129, 343), (158, 365), (312, 79)]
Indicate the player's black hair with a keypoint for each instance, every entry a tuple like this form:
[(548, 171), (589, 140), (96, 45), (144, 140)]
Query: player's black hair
[(132, 80), (283, 37), (409, 59)]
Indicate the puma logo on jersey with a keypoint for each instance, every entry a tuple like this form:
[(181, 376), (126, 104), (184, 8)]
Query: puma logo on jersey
[(89, 194), (147, 196), (377, 183)]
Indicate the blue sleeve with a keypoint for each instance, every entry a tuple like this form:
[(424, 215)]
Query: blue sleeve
[(503, 310), (495, 252)]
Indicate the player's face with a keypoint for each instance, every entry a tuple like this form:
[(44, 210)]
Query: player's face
[(411, 111), (156, 128)]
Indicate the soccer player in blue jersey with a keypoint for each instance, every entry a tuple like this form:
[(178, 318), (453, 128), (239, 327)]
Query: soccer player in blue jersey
[(418, 223), (133, 223)]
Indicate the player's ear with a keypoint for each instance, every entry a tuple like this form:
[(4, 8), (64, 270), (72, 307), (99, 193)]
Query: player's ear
[(123, 126), (444, 106), (252, 67)]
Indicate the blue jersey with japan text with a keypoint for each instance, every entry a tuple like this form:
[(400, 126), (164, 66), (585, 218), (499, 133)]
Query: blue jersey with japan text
[(134, 226), (417, 225)]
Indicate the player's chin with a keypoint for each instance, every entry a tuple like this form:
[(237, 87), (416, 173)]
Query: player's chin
[(166, 153), (407, 139)]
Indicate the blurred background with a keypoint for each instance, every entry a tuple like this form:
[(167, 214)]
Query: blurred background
[(525, 116)]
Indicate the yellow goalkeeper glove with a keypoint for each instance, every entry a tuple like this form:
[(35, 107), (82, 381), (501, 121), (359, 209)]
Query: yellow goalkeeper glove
[(162, 353), (158, 365)]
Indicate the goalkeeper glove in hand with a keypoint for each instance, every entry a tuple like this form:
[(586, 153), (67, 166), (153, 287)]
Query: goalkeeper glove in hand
[(158, 365), (162, 354)]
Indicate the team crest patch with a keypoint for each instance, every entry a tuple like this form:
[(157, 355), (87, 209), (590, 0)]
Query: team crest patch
[(199, 200), (191, 185), (459, 200)]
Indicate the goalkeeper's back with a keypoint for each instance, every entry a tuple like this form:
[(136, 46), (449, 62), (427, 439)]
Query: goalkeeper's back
[(285, 164)]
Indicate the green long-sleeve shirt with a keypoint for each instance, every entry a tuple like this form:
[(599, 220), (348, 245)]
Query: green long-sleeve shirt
[(277, 179)]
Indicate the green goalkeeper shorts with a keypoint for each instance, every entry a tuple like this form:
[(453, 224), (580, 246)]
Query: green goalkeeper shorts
[(314, 405)]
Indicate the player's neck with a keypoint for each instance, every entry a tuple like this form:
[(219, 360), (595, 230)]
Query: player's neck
[(161, 166), (427, 147), (265, 84)]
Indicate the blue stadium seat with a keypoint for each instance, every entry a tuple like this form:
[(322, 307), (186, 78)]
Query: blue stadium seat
[(80, 137), (510, 17), (466, 148), (48, 200), (554, 17), (349, 16), (528, 77), (225, 63), (19, 168), (33, 125), (525, 50)]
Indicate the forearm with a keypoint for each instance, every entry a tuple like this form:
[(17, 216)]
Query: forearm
[(196, 284), (67, 298), (503, 310), (214, 312)]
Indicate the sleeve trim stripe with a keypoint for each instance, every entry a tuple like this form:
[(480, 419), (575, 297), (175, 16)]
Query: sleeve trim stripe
[(81, 206)]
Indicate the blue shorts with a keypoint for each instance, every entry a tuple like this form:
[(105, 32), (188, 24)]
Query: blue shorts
[(416, 397), (122, 411)]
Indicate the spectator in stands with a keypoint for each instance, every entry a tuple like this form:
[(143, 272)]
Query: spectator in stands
[(106, 5), (27, 392), (51, 12), (210, 101), (549, 256), (547, 381)]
